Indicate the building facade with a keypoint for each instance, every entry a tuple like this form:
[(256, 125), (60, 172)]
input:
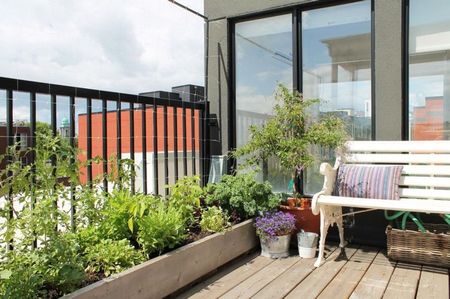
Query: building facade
[(384, 65)]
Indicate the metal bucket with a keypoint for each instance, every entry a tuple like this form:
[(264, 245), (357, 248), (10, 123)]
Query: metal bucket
[(307, 244), (277, 248)]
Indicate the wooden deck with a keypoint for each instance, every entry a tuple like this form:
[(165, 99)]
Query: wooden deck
[(354, 272)]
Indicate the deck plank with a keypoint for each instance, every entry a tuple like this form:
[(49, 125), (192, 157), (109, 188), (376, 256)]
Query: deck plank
[(348, 278), (259, 280), (376, 279), (433, 284), (403, 282), (223, 281), (283, 284), (313, 285)]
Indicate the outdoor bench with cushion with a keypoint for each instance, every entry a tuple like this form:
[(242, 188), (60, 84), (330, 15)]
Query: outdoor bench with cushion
[(412, 176)]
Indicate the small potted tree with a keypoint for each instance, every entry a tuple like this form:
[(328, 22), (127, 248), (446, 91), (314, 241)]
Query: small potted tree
[(291, 135), (274, 230)]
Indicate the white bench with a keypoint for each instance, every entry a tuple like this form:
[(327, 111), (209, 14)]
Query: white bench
[(424, 183)]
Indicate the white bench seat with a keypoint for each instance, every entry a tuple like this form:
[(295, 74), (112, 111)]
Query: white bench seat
[(424, 184)]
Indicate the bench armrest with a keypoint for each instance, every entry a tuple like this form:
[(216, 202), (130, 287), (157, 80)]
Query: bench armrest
[(329, 174)]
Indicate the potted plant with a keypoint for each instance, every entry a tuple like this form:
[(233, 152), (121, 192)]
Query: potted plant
[(292, 136), (274, 230)]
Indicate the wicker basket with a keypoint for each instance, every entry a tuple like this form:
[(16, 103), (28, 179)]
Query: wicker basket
[(429, 248)]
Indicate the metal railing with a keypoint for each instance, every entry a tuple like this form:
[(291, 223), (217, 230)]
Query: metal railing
[(134, 120)]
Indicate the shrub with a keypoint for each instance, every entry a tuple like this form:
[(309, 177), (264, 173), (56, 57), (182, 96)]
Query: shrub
[(185, 196), (109, 257), (242, 195), (163, 227), (214, 220), (49, 272), (121, 211)]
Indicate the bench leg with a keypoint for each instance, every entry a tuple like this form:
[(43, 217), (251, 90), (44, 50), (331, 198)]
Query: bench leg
[(341, 230), (324, 225)]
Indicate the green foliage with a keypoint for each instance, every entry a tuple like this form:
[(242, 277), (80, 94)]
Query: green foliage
[(214, 220), (242, 195), (110, 257), (292, 132), (49, 272), (120, 212), (185, 196), (163, 227)]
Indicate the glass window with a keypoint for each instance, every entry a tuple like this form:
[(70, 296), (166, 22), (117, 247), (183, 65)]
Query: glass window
[(429, 70), (263, 59), (336, 57)]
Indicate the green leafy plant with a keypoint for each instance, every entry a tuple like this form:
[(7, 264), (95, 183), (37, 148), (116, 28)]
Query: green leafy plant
[(110, 257), (291, 134), (185, 196), (163, 227), (49, 272), (241, 196), (214, 220)]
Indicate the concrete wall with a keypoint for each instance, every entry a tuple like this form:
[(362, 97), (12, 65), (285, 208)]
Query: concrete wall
[(387, 60)]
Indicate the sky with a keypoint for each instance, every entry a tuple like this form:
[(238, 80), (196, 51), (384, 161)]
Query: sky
[(117, 45)]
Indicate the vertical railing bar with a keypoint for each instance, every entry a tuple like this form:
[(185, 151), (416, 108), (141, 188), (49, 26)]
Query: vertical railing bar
[(104, 145), (194, 171), (175, 142), (89, 140), (155, 147), (10, 142), (144, 148), (184, 142), (53, 125), (33, 153), (133, 168), (166, 150), (119, 140), (72, 160), (201, 138), (207, 135)]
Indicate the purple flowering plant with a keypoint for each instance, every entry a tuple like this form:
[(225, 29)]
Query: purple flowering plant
[(273, 224)]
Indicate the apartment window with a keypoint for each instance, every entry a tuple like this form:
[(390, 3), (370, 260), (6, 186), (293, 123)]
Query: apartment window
[(429, 70), (263, 59), (336, 58)]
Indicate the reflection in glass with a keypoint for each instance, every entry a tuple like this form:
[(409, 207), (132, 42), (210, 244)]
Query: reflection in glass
[(336, 43), (263, 60), (429, 70)]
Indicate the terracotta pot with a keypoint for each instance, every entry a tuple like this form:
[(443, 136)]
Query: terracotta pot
[(304, 217)]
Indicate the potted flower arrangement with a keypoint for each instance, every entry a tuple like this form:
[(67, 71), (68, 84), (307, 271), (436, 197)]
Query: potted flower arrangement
[(274, 230), (292, 136)]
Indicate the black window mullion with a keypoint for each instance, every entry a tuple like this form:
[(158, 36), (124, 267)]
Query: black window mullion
[(33, 153), (119, 139)]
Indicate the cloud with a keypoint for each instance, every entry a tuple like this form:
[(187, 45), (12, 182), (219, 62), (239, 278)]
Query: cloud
[(127, 46)]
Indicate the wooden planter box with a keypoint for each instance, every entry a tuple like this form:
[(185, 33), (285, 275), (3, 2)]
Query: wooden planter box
[(168, 273)]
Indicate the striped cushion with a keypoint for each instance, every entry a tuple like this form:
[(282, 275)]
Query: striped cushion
[(378, 182)]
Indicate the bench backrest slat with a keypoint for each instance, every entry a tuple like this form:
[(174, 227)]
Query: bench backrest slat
[(426, 164)]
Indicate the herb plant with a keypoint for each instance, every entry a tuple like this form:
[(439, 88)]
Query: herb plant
[(241, 196), (214, 220)]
